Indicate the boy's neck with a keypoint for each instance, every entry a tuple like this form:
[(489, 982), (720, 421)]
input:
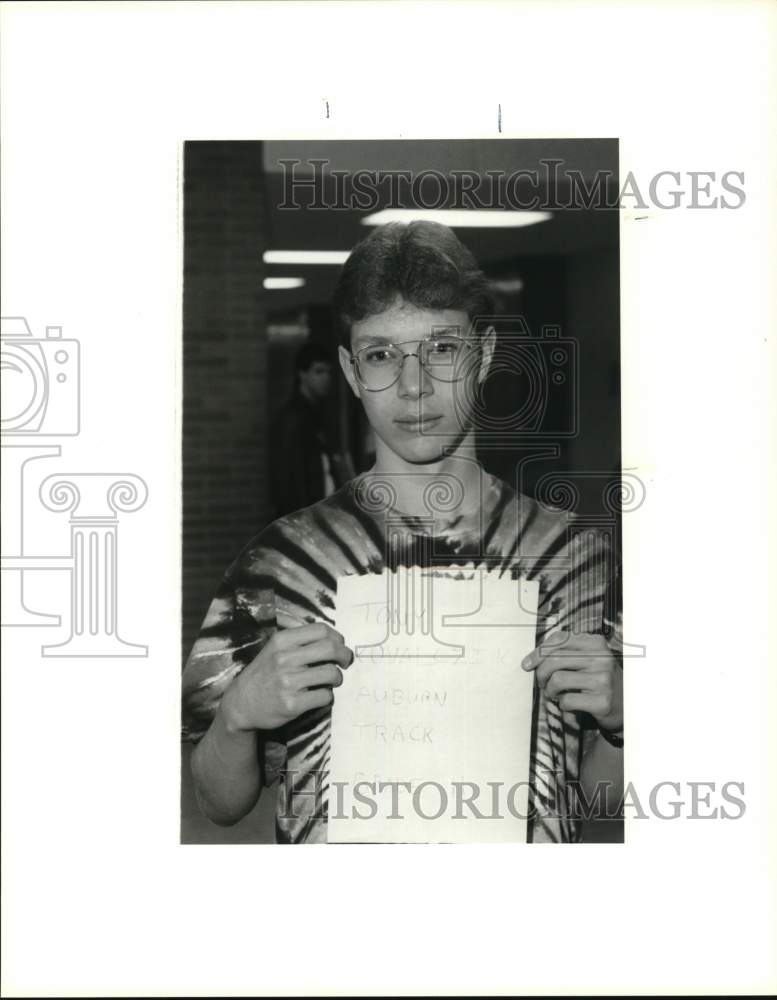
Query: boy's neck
[(459, 477)]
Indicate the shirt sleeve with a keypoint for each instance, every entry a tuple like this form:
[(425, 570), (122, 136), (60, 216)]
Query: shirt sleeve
[(238, 623), (612, 629)]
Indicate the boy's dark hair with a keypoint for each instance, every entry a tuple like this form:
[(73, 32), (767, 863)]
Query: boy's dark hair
[(309, 354), (423, 262)]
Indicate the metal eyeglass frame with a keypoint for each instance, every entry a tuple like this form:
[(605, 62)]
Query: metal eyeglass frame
[(354, 360)]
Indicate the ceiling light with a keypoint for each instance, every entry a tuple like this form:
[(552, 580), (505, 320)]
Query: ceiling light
[(509, 285), (456, 218), (276, 283), (306, 256)]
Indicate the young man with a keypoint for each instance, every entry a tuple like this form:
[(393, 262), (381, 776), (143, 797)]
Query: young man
[(259, 683), (304, 467)]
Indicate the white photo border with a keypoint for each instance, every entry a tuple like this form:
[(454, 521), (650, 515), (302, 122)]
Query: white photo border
[(100, 897)]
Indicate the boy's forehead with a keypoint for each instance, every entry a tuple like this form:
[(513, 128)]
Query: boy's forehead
[(409, 322)]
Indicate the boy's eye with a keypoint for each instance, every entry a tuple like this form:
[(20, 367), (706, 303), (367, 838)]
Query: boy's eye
[(378, 355), (445, 347)]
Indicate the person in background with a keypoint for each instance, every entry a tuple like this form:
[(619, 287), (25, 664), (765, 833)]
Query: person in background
[(305, 468)]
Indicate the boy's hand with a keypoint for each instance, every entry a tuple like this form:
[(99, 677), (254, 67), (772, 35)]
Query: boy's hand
[(580, 673), (295, 671)]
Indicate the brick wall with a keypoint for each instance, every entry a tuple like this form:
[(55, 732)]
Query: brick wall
[(225, 493)]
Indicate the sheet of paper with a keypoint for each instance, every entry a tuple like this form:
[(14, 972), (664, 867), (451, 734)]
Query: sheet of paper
[(435, 710)]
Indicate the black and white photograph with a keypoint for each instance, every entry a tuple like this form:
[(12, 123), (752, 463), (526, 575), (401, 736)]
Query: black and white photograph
[(393, 369), (387, 438)]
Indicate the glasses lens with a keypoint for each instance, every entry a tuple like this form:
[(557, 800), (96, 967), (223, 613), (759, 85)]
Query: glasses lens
[(442, 356), (378, 367)]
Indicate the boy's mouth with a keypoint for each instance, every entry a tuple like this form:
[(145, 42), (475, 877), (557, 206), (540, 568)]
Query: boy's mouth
[(416, 424)]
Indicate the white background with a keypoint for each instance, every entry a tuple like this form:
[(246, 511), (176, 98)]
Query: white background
[(99, 896)]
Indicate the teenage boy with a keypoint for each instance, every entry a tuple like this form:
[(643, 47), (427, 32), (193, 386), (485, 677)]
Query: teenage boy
[(259, 683)]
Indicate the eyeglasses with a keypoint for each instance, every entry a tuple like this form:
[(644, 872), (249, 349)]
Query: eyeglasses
[(378, 366)]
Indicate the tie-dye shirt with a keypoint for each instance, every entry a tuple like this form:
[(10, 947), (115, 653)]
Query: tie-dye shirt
[(287, 576)]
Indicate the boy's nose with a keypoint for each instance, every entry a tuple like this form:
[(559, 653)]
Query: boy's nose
[(414, 381)]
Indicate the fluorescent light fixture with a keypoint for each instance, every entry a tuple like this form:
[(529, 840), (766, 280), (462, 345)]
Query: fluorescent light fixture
[(509, 285), (276, 283), (306, 256), (457, 218)]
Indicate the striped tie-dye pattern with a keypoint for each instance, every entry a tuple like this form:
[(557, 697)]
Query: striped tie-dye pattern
[(287, 575)]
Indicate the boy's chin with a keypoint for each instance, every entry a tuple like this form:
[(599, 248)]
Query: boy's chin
[(420, 449), (424, 451)]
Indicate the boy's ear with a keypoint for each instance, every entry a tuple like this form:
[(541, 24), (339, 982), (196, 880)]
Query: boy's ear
[(487, 346), (347, 370)]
